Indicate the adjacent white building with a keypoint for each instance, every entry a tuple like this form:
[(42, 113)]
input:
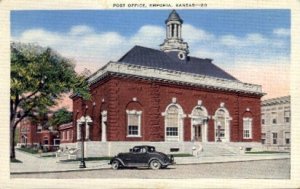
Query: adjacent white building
[(276, 123)]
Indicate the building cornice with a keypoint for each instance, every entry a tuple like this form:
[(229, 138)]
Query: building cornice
[(278, 100), (175, 76)]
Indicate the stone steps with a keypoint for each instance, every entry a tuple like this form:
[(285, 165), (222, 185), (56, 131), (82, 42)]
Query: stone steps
[(218, 149)]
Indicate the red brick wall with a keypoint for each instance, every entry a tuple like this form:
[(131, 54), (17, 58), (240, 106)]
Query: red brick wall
[(66, 135), (116, 93), (34, 137)]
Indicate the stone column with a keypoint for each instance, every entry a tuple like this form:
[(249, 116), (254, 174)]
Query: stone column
[(170, 31), (175, 31), (103, 125), (179, 31), (103, 137), (167, 30)]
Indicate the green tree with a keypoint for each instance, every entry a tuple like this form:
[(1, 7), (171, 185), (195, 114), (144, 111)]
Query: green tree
[(39, 77), (59, 117)]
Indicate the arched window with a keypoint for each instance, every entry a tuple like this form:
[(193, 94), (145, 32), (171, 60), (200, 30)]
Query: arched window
[(174, 123), (222, 125)]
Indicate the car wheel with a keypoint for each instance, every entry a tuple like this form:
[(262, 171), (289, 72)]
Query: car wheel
[(115, 165), (155, 164)]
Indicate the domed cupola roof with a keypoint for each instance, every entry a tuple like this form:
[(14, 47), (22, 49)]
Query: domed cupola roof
[(174, 17)]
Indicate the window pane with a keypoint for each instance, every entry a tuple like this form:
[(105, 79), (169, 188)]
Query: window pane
[(133, 130), (172, 131), (172, 117), (133, 119), (286, 114), (247, 127), (133, 124)]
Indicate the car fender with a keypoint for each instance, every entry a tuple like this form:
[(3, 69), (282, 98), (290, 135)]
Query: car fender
[(155, 158), (118, 159)]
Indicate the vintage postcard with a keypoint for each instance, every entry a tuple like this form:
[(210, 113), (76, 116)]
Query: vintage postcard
[(150, 94)]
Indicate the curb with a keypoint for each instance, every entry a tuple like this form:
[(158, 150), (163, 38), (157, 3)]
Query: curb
[(58, 171), (234, 161), (107, 168)]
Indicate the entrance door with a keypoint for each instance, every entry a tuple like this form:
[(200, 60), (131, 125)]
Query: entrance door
[(198, 133)]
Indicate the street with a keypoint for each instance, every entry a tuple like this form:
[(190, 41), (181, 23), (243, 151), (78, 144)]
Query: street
[(262, 169)]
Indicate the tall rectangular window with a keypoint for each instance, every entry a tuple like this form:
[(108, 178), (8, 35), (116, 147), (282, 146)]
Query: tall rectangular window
[(68, 133), (287, 136), (134, 123), (263, 138), (286, 116), (46, 141), (39, 128), (274, 138), (274, 118), (247, 128), (262, 119), (71, 134)]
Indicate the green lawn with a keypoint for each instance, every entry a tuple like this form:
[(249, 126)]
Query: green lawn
[(265, 152), (46, 156), (89, 159), (28, 150), (181, 155)]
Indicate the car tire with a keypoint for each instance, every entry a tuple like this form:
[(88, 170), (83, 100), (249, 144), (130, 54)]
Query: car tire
[(155, 164), (115, 165)]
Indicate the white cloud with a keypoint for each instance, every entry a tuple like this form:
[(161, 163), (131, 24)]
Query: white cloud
[(41, 37), (81, 30), (282, 32), (230, 40), (192, 34), (148, 35), (251, 39)]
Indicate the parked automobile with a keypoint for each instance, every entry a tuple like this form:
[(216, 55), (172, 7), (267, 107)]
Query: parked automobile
[(142, 156)]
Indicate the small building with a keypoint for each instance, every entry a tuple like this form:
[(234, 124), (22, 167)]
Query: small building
[(166, 98), (276, 123), (35, 136), (66, 133)]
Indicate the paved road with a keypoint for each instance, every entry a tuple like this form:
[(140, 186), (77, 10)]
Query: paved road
[(279, 169)]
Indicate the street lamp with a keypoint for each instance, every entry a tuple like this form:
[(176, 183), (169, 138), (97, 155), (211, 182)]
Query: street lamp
[(219, 133), (82, 162)]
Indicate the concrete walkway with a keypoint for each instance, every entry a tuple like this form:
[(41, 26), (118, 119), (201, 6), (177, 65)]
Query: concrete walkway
[(35, 164)]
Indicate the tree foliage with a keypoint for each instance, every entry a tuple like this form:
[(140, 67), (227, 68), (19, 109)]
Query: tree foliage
[(61, 116), (39, 77)]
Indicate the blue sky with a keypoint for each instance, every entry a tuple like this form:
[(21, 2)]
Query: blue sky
[(220, 22), (235, 39)]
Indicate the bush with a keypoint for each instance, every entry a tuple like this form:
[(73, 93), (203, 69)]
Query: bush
[(29, 150), (15, 161)]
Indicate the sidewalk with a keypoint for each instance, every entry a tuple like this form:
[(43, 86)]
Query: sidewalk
[(34, 164)]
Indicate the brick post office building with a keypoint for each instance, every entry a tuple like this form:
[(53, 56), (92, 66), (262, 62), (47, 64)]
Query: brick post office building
[(168, 99)]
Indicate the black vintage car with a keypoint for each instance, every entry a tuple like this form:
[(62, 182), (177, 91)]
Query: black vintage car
[(142, 156)]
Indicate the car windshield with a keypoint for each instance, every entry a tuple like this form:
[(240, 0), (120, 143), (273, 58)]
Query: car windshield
[(136, 150)]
